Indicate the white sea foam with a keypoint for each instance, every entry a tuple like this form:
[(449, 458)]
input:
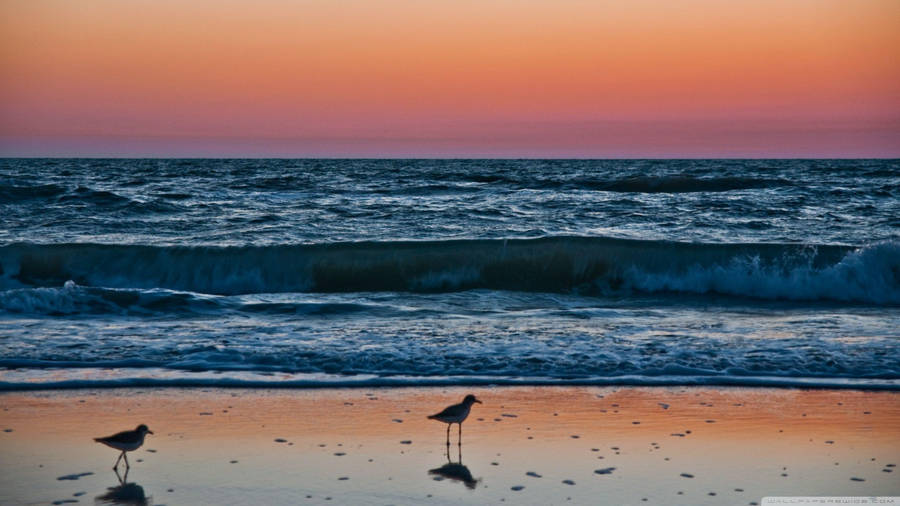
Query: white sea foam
[(867, 275)]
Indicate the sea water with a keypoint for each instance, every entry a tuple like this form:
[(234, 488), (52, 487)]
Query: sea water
[(330, 272)]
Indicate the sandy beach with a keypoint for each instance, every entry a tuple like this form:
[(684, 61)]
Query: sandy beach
[(524, 445)]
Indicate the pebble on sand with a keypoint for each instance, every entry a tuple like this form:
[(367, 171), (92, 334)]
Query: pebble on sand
[(280, 440), (687, 475), (605, 470), (533, 474), (517, 487), (568, 482)]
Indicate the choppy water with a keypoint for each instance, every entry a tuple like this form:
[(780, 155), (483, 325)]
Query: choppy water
[(323, 272)]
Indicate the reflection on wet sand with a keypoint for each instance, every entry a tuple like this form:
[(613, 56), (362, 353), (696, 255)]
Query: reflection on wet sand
[(549, 443), (124, 493), (455, 471)]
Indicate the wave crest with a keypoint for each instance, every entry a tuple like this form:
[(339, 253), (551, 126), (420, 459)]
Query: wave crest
[(869, 275)]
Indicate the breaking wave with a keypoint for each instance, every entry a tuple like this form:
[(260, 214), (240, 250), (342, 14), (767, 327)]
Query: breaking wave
[(605, 266)]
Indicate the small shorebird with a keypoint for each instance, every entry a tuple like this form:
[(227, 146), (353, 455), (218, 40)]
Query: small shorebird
[(456, 413), (126, 441)]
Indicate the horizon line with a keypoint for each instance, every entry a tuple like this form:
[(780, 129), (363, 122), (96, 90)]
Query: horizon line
[(474, 157)]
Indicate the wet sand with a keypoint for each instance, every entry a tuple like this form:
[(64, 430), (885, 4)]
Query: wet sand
[(524, 445)]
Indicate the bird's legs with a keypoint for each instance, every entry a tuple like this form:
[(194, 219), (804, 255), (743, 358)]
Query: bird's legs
[(460, 435), (448, 441), (122, 480), (127, 465), (116, 466)]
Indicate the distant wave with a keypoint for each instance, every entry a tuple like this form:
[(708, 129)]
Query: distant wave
[(342, 381), (589, 265), (681, 184), (676, 183), (59, 194), (635, 184), (17, 193), (52, 194), (71, 300)]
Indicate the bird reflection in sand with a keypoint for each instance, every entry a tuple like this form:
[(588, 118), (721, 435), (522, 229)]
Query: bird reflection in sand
[(455, 471), (125, 493)]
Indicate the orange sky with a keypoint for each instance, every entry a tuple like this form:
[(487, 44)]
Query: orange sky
[(450, 78)]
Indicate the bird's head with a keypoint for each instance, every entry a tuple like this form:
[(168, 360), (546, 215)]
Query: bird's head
[(143, 429), (470, 399)]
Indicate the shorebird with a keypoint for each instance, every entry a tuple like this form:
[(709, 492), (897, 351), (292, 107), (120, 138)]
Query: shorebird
[(125, 441), (456, 413)]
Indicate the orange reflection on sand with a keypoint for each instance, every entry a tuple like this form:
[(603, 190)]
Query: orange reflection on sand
[(618, 444), (736, 414)]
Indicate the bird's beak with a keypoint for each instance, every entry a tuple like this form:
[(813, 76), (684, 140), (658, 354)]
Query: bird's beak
[(149, 432), (479, 402)]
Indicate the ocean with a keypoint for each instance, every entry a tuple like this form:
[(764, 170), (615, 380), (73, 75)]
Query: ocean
[(312, 273)]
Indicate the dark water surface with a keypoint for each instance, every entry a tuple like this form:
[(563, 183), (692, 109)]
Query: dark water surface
[(323, 272)]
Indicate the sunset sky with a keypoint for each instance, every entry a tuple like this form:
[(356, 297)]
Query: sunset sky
[(450, 78)]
